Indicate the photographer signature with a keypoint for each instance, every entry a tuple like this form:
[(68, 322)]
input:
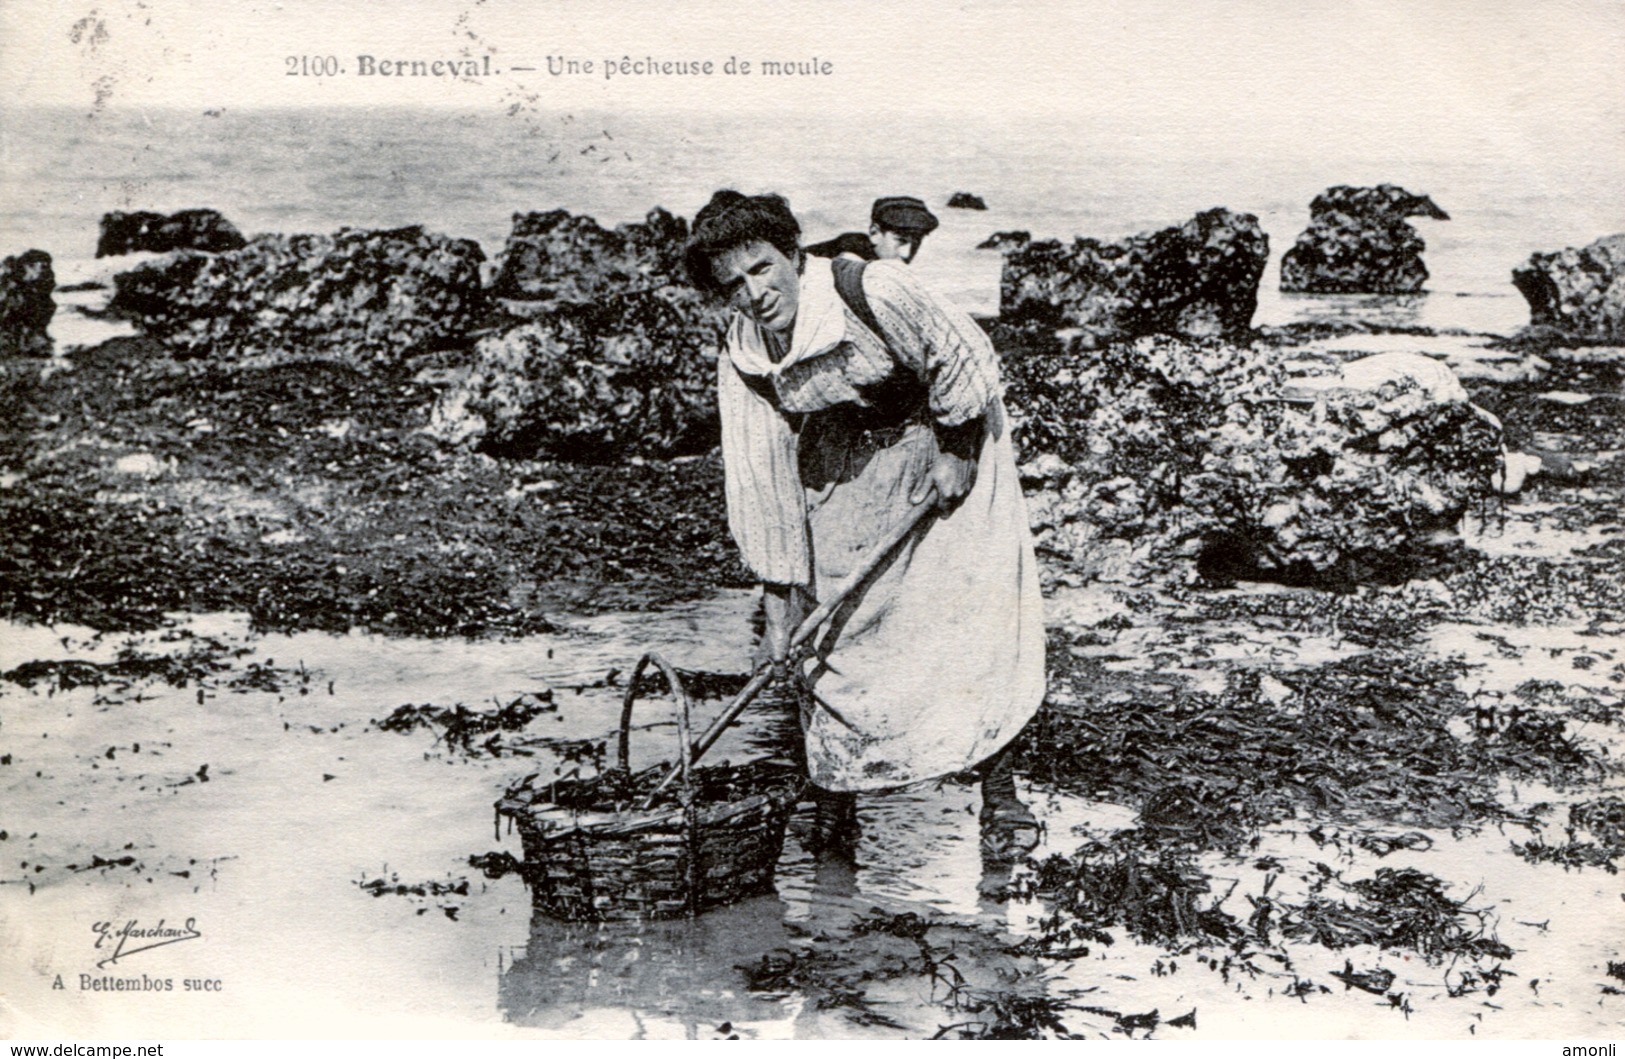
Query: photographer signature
[(132, 937)]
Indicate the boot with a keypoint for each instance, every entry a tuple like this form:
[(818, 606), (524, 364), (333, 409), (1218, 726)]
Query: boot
[(835, 822), (1009, 829)]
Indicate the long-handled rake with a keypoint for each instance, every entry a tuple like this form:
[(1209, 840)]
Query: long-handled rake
[(801, 638)]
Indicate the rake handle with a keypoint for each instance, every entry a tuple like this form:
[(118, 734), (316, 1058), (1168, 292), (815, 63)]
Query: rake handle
[(804, 632)]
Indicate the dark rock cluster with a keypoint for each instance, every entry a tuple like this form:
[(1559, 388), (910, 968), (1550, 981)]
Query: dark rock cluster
[(615, 356), (1005, 241), (128, 233), (1142, 452), (1580, 292), (628, 374), (592, 345), (1200, 278), (26, 304), (358, 295), (1359, 242), (560, 257)]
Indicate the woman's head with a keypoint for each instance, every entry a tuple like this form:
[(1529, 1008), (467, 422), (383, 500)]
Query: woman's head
[(746, 249)]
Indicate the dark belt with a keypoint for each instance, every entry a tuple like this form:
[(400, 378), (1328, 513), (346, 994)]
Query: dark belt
[(870, 428)]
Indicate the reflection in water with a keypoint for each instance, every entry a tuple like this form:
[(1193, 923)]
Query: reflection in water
[(810, 964), (918, 855), (1381, 310), (683, 970)]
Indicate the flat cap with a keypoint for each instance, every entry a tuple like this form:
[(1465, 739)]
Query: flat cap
[(903, 213)]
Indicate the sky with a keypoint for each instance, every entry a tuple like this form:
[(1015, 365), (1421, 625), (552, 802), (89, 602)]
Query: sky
[(1492, 76)]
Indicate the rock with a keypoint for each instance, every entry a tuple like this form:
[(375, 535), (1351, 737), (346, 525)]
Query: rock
[(1578, 292), (1005, 241), (627, 375), (361, 295), (1172, 444), (1358, 242), (1200, 278), (557, 256), (608, 353), (964, 200), (26, 304), (1047, 467), (139, 465), (128, 233), (1432, 375)]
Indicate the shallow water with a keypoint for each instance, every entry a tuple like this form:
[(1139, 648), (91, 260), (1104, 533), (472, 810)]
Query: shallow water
[(303, 801), (1549, 917)]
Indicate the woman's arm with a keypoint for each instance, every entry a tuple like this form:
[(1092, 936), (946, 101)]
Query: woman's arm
[(766, 505), (767, 508), (957, 361), (953, 472)]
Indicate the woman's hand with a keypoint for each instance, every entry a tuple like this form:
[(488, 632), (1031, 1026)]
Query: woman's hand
[(785, 608), (952, 477), (953, 471)]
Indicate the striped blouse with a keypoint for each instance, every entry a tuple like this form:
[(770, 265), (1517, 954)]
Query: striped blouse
[(833, 357)]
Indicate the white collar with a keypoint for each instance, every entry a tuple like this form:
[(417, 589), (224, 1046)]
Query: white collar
[(820, 324)]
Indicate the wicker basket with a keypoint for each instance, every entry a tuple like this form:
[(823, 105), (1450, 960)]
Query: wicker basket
[(595, 849)]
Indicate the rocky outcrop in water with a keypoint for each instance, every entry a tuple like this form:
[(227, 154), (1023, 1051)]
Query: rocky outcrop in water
[(1003, 241), (630, 374), (1200, 278), (1359, 242), (616, 356), (205, 230), (1578, 292), (360, 295), (964, 200), (558, 256), (1142, 453), (26, 304)]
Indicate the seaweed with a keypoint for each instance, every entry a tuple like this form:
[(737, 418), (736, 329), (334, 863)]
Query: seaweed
[(1157, 895), (304, 493), (1394, 909), (496, 864), (459, 727), (1007, 1016), (824, 977), (1359, 737), (614, 790), (1570, 855), (700, 684), (430, 893), (1603, 819)]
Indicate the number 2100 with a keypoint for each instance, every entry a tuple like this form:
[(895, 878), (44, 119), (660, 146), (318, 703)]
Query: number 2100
[(313, 66)]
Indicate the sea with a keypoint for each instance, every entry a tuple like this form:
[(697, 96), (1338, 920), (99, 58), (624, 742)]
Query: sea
[(466, 174)]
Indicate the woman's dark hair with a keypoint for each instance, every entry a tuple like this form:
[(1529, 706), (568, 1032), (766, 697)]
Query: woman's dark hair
[(731, 220)]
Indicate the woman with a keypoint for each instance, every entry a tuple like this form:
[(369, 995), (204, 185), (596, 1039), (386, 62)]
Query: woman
[(834, 430)]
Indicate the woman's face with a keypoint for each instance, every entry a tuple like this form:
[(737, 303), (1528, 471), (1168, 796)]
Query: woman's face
[(759, 280)]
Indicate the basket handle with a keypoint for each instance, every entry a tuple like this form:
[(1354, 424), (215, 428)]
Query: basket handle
[(623, 753)]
